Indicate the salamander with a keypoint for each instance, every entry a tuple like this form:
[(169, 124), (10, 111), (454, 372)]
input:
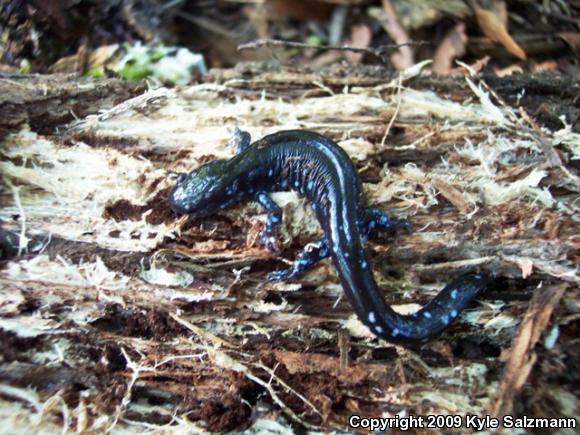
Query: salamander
[(320, 170)]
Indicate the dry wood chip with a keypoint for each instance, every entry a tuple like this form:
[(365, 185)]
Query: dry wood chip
[(453, 195), (523, 357)]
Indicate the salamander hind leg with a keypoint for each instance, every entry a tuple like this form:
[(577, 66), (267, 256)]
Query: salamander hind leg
[(268, 236), (374, 219), (312, 254)]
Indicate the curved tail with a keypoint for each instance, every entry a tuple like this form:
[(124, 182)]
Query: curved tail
[(369, 305)]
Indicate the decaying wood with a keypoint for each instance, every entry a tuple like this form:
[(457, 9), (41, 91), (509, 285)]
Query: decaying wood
[(523, 357), (46, 102), (118, 315)]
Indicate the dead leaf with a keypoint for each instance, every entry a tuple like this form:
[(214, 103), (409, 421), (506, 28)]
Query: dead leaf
[(452, 46), (403, 57), (100, 56), (548, 65), (526, 265), (212, 246), (509, 70), (302, 10), (360, 37), (474, 68), (499, 9), (492, 27), (572, 39)]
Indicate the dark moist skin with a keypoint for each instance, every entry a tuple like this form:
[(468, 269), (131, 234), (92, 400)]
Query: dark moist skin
[(317, 168)]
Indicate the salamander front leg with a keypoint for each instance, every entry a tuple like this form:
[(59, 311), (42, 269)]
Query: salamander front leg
[(374, 219), (240, 140), (269, 233), (312, 254)]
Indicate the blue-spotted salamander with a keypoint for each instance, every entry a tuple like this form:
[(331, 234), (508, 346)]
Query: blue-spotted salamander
[(317, 168)]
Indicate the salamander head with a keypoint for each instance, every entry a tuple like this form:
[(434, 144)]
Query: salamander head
[(201, 192)]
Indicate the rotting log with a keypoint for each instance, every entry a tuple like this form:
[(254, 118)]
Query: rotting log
[(45, 102), (115, 313)]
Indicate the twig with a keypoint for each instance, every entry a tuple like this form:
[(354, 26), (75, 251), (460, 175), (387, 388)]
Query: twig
[(287, 387), (202, 333), (135, 371), (378, 51), (177, 357), (227, 361), (206, 24), (279, 401), (453, 265), (392, 121)]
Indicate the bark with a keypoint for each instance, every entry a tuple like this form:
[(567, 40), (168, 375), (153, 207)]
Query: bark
[(117, 313)]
